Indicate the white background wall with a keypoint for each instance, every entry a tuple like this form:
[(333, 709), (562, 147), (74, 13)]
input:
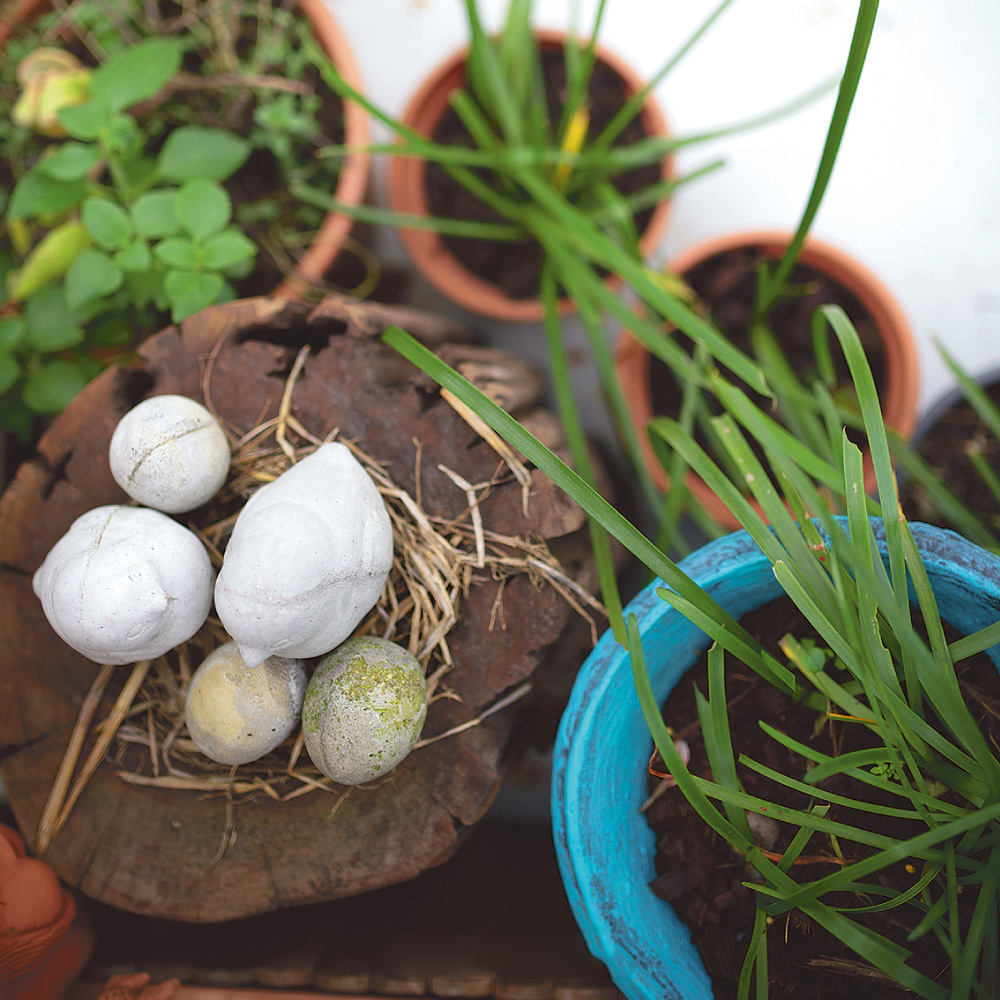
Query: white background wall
[(916, 192)]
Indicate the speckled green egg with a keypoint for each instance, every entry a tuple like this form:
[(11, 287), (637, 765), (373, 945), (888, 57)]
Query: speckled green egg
[(364, 709)]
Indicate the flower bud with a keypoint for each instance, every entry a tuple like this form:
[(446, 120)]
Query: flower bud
[(51, 80)]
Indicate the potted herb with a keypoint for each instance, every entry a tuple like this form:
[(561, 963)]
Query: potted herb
[(722, 276), (927, 753), (501, 278), (949, 473), (535, 195), (148, 156)]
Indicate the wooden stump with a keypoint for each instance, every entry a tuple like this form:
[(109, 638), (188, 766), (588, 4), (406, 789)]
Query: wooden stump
[(157, 851)]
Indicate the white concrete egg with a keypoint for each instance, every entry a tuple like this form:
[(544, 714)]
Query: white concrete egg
[(235, 713), (170, 453), (364, 710), (307, 559), (125, 584)]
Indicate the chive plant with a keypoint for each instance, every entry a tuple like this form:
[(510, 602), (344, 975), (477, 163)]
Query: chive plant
[(551, 183), (928, 752), (948, 507)]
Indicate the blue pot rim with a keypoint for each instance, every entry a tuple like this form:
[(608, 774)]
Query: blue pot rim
[(606, 910)]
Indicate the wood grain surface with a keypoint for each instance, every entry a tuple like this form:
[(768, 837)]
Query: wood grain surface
[(154, 851)]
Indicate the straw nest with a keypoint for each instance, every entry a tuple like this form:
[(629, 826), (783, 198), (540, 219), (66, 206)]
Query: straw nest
[(435, 563)]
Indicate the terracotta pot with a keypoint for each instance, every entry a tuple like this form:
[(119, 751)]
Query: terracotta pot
[(407, 192), (45, 915), (604, 846), (899, 400), (353, 178)]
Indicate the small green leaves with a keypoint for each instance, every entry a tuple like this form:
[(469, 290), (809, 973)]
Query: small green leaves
[(51, 324), (13, 331), (135, 74), (135, 257), (194, 151), (177, 252), (107, 223), (92, 276), (36, 194), (190, 291), (52, 386), (227, 250), (85, 121), (9, 372), (72, 161), (153, 214), (202, 208)]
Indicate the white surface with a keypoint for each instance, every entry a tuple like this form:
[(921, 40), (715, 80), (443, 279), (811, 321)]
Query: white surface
[(916, 191)]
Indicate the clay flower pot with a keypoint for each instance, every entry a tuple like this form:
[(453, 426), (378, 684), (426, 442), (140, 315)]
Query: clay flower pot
[(899, 398), (35, 918), (353, 177), (604, 845), (408, 194)]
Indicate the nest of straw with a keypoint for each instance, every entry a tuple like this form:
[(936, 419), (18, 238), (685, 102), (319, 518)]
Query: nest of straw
[(435, 563)]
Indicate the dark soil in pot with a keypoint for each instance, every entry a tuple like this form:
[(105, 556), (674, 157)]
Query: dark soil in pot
[(702, 877), (515, 267), (946, 446), (726, 285)]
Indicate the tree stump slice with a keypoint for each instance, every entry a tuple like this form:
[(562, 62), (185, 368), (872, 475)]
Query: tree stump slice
[(157, 851)]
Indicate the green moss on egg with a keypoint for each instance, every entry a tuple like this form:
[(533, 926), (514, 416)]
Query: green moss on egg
[(364, 710)]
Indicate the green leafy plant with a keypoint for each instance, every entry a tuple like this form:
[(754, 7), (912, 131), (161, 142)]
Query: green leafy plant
[(887, 675), (119, 216), (550, 182)]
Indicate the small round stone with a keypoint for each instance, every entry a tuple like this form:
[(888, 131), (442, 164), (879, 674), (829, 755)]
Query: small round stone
[(364, 709), (236, 714), (169, 453)]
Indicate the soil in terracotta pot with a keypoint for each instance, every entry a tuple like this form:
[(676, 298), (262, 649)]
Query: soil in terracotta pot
[(515, 267), (946, 446), (702, 877), (726, 286)]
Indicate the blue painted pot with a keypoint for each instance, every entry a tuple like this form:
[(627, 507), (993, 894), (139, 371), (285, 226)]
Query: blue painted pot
[(604, 845)]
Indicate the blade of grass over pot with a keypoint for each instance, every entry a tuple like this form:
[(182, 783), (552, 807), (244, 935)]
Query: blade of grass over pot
[(978, 398), (857, 55), (943, 499), (579, 449), (634, 104), (860, 608), (589, 499), (675, 498)]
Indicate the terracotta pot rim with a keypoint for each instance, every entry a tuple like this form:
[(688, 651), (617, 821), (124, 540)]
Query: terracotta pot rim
[(24, 951), (901, 395), (407, 194), (353, 178)]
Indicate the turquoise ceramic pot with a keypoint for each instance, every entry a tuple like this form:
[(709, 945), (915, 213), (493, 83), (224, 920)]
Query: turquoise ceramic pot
[(604, 846)]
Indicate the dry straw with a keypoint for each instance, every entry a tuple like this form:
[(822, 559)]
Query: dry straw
[(435, 563)]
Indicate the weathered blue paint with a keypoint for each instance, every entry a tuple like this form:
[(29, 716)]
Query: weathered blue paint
[(604, 846)]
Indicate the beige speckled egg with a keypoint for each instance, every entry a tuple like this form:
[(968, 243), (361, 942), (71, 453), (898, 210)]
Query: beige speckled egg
[(170, 453), (364, 709), (236, 714)]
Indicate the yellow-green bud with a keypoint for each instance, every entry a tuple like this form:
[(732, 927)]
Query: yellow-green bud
[(49, 260), (51, 80)]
